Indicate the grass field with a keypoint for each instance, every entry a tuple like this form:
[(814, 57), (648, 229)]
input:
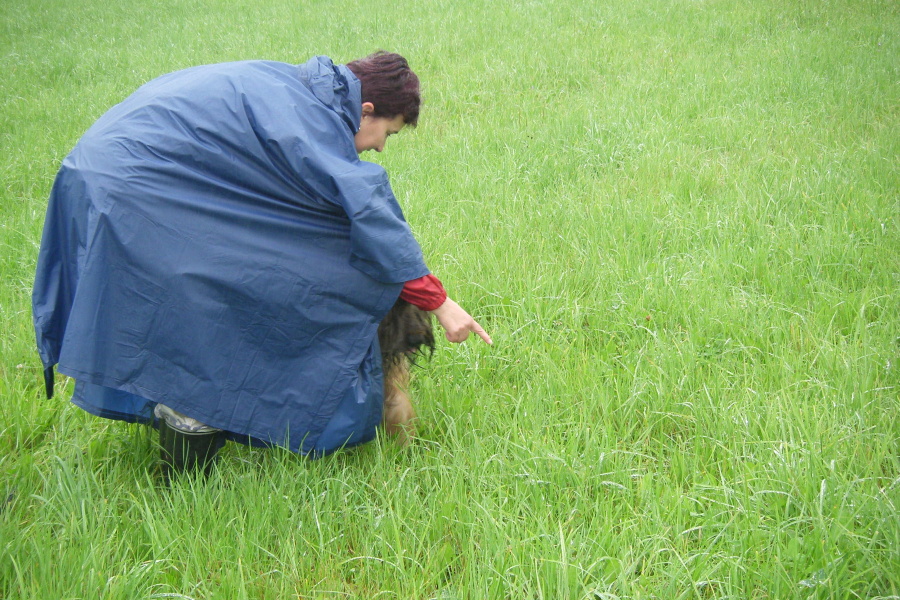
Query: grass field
[(678, 219)]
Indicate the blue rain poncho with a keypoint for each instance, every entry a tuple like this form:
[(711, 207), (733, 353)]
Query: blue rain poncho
[(214, 244)]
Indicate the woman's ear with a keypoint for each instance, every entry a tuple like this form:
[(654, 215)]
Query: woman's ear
[(368, 109)]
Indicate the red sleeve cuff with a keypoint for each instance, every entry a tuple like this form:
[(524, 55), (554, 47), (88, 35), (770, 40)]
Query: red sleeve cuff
[(426, 293)]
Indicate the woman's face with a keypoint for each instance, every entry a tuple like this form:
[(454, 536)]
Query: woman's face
[(374, 131)]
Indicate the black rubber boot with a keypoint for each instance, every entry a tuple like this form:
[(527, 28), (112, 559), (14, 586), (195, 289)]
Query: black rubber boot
[(183, 452)]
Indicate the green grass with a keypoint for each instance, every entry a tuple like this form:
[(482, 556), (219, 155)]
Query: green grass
[(680, 222)]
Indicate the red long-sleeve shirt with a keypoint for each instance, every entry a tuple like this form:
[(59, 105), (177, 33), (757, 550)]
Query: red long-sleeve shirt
[(426, 293)]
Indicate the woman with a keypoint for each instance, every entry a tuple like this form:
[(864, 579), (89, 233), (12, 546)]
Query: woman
[(216, 251)]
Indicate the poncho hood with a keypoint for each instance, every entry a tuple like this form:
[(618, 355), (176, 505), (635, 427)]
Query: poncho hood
[(215, 244), (334, 86)]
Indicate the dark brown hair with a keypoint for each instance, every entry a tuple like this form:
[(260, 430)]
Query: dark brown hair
[(389, 84)]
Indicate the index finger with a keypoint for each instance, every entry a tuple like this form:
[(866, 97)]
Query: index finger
[(482, 334)]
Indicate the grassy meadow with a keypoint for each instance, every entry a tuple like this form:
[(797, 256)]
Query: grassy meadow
[(678, 219)]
